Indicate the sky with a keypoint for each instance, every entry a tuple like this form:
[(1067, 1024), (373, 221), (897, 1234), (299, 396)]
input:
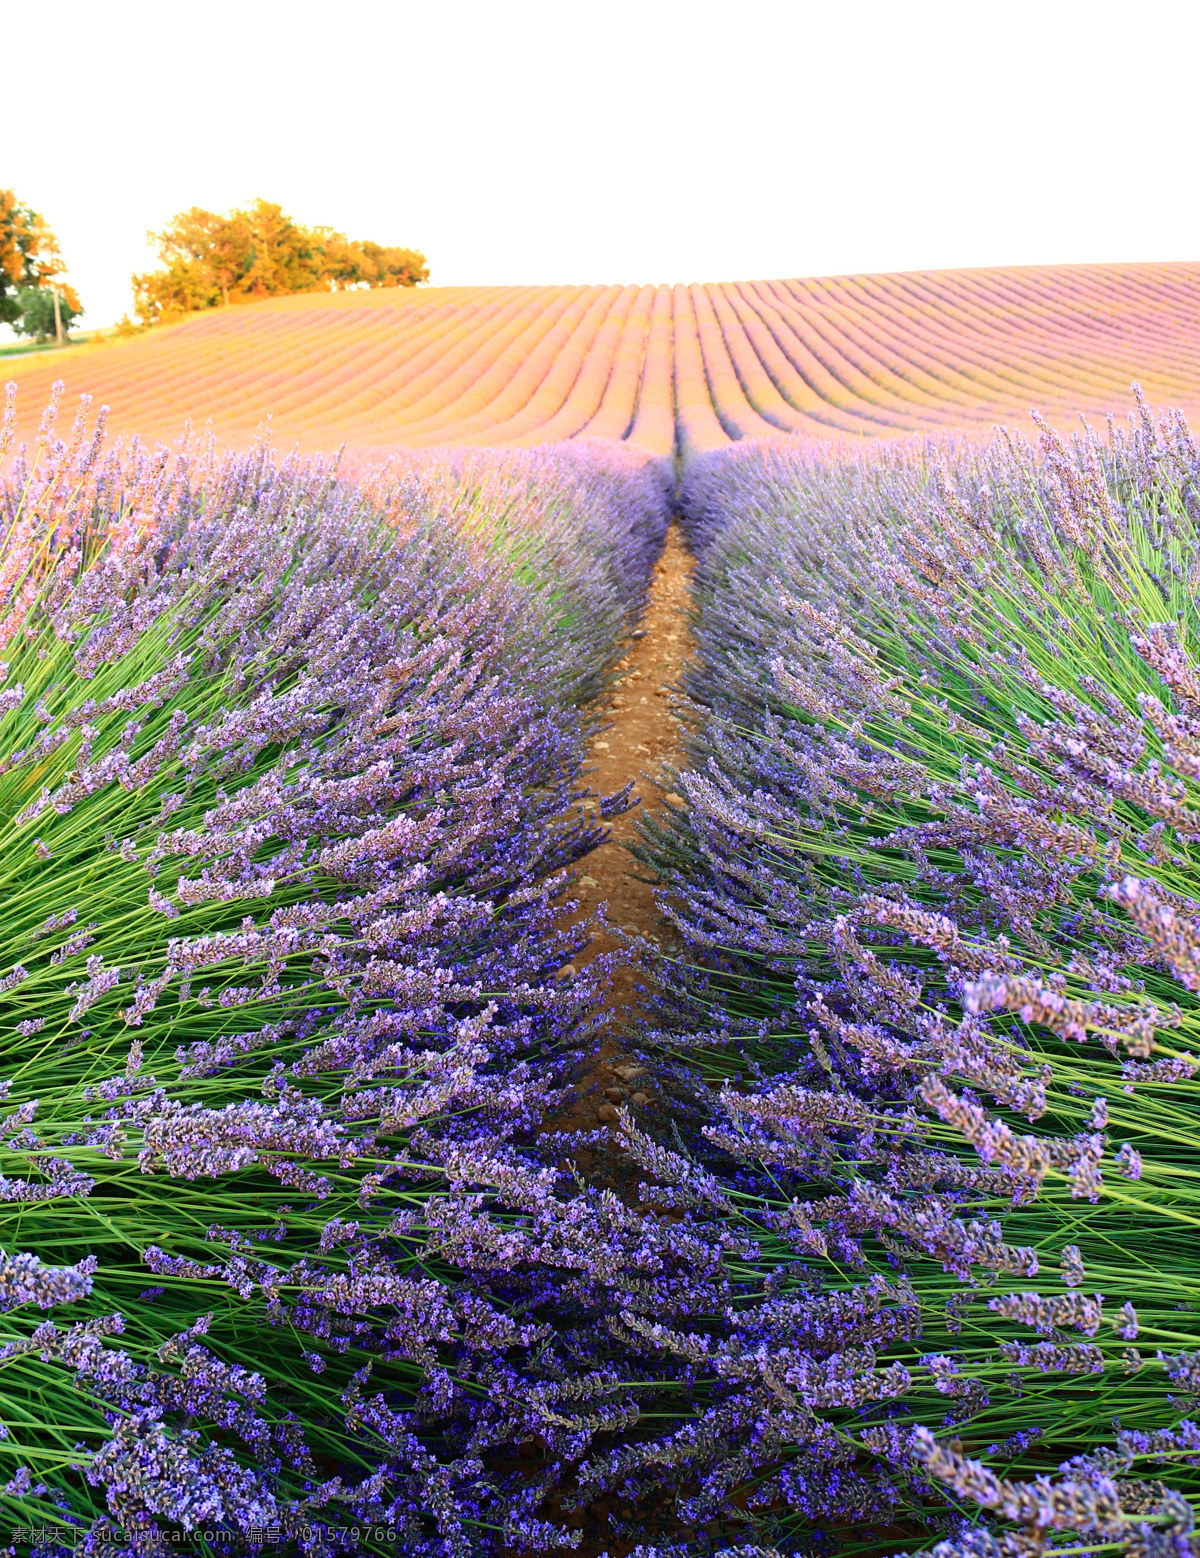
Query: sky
[(531, 142)]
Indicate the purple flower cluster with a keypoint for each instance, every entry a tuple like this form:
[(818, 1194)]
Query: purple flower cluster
[(930, 1054), (291, 789)]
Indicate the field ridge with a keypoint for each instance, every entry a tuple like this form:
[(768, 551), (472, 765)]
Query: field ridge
[(673, 370)]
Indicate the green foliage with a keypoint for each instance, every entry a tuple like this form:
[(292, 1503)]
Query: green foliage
[(37, 312), (29, 258)]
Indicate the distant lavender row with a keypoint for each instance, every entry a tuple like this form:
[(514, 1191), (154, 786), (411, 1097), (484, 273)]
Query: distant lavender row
[(935, 870), (582, 521), (289, 790)]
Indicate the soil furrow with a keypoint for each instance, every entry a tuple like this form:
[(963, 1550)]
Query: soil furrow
[(644, 733)]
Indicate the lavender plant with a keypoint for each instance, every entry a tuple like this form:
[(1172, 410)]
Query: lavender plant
[(289, 795), (932, 1049), (290, 791), (581, 523)]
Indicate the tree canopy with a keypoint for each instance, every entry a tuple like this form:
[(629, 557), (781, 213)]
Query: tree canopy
[(30, 263), (209, 261), (36, 306)]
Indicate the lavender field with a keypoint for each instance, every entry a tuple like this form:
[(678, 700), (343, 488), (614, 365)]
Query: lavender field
[(933, 1044), (898, 1251)]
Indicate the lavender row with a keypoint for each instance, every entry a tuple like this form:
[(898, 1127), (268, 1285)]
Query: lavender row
[(290, 792), (932, 1044)]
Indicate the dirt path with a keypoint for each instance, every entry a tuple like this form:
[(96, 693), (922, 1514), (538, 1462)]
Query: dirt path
[(644, 733)]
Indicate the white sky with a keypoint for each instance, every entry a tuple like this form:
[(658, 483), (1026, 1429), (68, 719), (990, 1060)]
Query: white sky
[(660, 140)]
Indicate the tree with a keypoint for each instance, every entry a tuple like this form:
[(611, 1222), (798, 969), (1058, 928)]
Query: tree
[(16, 245), (366, 264), (211, 261), (29, 258), (37, 311), (394, 267)]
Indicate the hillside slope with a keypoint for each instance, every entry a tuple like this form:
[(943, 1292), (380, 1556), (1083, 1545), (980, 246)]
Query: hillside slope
[(687, 368)]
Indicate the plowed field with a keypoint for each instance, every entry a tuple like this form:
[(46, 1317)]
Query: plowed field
[(687, 368)]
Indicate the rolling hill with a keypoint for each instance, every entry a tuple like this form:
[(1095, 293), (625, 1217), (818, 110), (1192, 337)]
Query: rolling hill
[(684, 368)]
